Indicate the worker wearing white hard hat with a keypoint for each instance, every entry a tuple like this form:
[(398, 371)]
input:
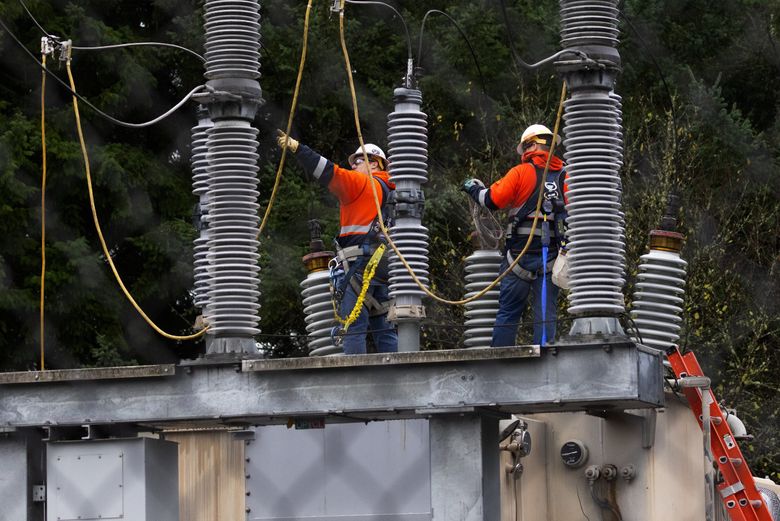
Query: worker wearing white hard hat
[(518, 191), (358, 238)]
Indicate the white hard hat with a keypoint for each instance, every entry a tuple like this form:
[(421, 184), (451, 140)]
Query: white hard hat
[(372, 151), (538, 134)]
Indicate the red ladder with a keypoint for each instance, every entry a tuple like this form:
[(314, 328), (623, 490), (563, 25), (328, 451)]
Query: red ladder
[(742, 500)]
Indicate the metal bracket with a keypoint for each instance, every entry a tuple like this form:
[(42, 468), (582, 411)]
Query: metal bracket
[(406, 312), (408, 203), (39, 493), (647, 417)]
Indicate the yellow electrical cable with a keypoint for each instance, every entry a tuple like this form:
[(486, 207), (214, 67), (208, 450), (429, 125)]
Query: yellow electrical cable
[(386, 233), (43, 206), (97, 222), (290, 118), (368, 274)]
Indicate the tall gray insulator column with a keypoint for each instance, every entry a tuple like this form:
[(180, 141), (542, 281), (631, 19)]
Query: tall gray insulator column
[(660, 287), (318, 306), (408, 155), (232, 30), (200, 184), (594, 155)]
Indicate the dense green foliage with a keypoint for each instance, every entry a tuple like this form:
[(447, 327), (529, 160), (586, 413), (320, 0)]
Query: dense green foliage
[(700, 103)]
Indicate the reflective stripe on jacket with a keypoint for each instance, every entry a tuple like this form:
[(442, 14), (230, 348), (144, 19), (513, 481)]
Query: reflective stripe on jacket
[(357, 207), (356, 198)]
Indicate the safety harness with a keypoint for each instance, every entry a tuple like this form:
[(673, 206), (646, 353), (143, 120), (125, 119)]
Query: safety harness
[(552, 212), (353, 258)]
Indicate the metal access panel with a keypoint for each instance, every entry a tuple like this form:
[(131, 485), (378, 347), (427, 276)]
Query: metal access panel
[(13, 479), (378, 471), (134, 479)]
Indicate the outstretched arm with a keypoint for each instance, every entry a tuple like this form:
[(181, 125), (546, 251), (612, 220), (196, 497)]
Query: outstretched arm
[(481, 195), (316, 166)]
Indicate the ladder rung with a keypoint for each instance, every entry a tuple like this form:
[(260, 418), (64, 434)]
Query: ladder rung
[(757, 503), (734, 461), (733, 489)]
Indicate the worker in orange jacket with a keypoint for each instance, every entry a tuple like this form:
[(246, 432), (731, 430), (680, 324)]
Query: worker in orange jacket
[(518, 191), (358, 238)]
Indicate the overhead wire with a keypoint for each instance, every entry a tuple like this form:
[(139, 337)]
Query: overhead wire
[(519, 62), (377, 203), (92, 106), (403, 21), (44, 31), (139, 44), (113, 46), (672, 110), (96, 221), (462, 34), (43, 215), (290, 118)]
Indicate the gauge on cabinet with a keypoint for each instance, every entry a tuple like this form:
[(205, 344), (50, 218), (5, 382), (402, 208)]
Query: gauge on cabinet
[(574, 453)]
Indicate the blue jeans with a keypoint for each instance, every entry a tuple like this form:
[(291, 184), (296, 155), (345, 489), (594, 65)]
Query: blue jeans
[(513, 299), (382, 331)]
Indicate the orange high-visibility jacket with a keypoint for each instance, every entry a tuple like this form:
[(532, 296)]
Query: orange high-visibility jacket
[(357, 207), (514, 189)]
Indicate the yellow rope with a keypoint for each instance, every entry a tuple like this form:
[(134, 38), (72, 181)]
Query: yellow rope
[(385, 231), (290, 118), (97, 222), (43, 207), (368, 274)]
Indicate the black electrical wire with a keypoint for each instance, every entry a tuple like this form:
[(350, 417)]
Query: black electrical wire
[(403, 21), (88, 103), (509, 36), (630, 320), (661, 75), (463, 35), (519, 62), (44, 31)]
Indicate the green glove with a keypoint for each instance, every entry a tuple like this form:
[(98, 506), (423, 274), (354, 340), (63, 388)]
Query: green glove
[(471, 184), (282, 139)]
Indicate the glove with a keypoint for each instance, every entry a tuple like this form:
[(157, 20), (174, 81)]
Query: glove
[(281, 138), (471, 184)]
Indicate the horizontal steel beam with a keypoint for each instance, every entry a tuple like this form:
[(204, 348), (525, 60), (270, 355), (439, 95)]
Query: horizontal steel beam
[(609, 376)]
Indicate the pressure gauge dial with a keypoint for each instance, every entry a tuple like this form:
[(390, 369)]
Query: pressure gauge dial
[(523, 440), (574, 453)]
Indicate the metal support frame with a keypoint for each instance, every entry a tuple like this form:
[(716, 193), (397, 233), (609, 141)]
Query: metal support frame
[(615, 376), (464, 468), (21, 461)]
